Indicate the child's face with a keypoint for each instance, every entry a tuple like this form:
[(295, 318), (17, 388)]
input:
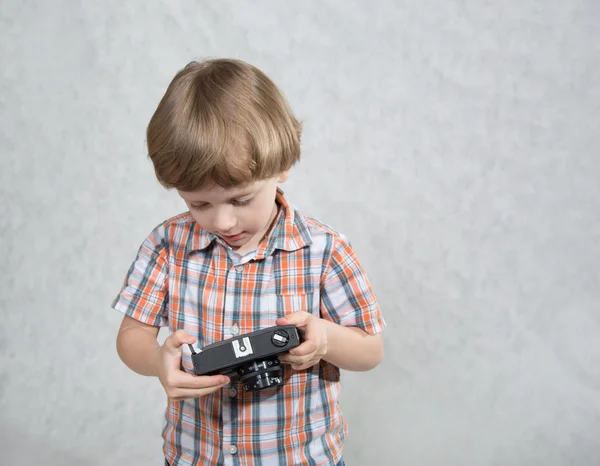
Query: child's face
[(241, 215)]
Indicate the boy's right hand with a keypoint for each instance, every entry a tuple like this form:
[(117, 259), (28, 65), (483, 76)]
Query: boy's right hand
[(180, 385)]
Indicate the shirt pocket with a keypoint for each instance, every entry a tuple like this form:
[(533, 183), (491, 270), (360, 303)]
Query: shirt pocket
[(279, 305)]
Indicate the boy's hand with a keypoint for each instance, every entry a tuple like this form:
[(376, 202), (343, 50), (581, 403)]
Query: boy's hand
[(178, 384), (314, 346)]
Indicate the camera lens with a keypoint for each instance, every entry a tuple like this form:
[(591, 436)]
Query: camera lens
[(262, 374)]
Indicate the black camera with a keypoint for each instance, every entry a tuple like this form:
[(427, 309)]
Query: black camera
[(250, 358)]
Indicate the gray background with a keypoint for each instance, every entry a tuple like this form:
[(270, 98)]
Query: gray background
[(455, 142)]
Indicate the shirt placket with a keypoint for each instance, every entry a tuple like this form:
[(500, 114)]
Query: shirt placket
[(232, 328)]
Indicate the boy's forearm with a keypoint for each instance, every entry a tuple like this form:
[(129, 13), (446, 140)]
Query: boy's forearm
[(138, 349), (352, 349)]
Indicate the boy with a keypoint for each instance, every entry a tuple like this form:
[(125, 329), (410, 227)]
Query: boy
[(242, 259)]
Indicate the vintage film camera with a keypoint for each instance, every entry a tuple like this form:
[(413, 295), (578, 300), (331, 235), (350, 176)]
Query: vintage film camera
[(250, 358)]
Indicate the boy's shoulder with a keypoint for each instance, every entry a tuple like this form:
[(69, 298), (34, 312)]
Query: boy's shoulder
[(172, 227), (319, 228), (176, 232), (324, 235), (182, 220)]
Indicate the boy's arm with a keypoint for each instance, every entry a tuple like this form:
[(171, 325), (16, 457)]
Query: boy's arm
[(137, 346), (139, 350), (349, 348)]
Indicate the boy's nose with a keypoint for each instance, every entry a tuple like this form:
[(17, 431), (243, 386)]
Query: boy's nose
[(224, 220)]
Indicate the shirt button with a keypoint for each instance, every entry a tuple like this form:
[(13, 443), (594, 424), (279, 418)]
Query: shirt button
[(235, 330), (239, 268), (233, 449), (232, 392)]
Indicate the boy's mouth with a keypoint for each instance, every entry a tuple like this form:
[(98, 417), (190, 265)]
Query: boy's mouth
[(232, 238)]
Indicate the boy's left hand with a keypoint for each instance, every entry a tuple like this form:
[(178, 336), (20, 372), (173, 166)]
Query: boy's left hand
[(314, 346)]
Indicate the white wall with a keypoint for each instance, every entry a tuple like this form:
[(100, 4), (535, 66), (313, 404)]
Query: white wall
[(455, 142)]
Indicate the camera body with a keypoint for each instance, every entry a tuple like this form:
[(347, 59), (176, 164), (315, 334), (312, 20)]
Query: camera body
[(251, 357)]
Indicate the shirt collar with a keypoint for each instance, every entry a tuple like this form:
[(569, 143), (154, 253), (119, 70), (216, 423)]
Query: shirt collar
[(289, 233)]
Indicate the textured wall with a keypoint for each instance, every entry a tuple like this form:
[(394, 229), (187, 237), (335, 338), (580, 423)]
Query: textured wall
[(455, 142)]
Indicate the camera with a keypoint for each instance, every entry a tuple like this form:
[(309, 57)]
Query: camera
[(250, 358)]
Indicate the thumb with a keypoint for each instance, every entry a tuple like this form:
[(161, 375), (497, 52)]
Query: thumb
[(178, 339)]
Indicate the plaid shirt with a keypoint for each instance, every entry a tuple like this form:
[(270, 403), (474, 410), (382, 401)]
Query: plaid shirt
[(186, 278)]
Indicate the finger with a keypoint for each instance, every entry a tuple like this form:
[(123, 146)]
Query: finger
[(172, 350), (312, 331), (189, 381), (305, 365), (297, 360), (296, 318), (186, 393), (179, 338), (305, 348)]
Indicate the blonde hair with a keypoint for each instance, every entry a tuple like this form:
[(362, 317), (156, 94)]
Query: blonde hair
[(221, 122)]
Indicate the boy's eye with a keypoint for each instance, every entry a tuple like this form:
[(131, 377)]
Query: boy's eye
[(236, 202), (242, 202)]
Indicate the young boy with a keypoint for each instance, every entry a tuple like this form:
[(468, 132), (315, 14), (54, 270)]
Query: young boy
[(242, 259)]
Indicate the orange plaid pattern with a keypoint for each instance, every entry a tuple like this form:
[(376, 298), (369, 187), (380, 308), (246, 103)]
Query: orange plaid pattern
[(187, 278)]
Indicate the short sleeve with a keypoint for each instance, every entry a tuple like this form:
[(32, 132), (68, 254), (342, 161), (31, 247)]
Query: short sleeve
[(144, 295), (346, 294)]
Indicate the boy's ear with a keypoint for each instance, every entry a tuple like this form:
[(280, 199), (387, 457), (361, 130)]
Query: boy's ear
[(283, 176)]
